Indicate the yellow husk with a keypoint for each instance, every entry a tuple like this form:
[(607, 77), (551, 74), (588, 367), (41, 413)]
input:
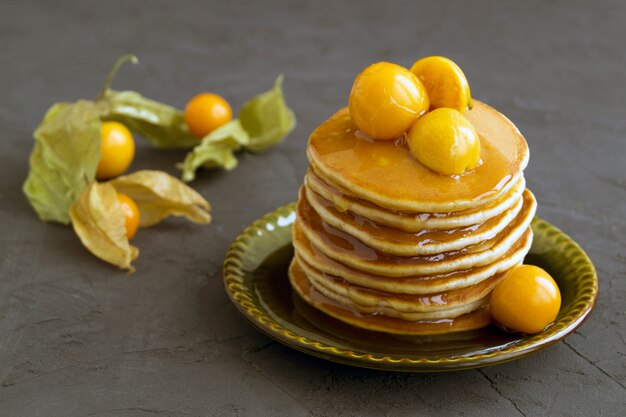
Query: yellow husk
[(99, 222), (159, 195)]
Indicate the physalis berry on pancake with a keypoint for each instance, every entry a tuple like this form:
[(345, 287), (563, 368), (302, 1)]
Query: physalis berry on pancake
[(386, 99), (445, 141), (445, 82), (527, 300)]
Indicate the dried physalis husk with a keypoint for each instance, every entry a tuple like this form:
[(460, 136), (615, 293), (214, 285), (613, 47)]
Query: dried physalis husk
[(99, 222), (159, 195), (64, 158)]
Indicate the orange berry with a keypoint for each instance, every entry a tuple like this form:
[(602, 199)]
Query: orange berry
[(527, 300), (131, 214), (117, 150), (386, 99), (445, 141), (206, 112), (445, 82)]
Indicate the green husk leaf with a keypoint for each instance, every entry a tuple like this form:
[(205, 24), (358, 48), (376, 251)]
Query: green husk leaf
[(217, 150), (266, 118), (162, 125), (64, 158), (99, 222), (159, 195), (263, 121)]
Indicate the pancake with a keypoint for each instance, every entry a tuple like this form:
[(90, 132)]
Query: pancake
[(412, 222), (397, 242), (346, 313), (348, 250), (309, 254), (407, 306), (383, 243), (386, 173), (388, 311)]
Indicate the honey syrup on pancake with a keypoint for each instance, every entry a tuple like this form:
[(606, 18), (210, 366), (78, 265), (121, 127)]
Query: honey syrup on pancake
[(439, 299), (344, 242), (344, 202), (347, 313), (271, 281), (418, 284), (418, 239), (390, 174)]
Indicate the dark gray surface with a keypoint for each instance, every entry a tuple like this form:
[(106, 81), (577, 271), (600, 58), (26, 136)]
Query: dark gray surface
[(78, 338)]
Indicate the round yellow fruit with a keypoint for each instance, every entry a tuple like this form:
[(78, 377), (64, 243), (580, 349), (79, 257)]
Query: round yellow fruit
[(206, 112), (445, 83), (445, 141), (131, 214), (386, 99), (527, 300), (117, 150)]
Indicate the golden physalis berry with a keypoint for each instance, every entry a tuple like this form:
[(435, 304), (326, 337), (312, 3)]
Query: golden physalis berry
[(527, 300), (445, 82), (445, 141), (117, 150), (386, 99), (206, 112), (131, 214)]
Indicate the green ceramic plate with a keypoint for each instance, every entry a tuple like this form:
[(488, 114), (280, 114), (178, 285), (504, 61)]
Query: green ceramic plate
[(255, 277)]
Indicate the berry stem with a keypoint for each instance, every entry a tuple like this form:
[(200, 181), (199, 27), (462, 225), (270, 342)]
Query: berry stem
[(109, 79)]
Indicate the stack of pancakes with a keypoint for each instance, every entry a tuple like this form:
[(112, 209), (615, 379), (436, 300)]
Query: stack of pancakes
[(384, 243)]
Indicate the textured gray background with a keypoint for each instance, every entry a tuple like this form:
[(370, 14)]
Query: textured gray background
[(78, 338)]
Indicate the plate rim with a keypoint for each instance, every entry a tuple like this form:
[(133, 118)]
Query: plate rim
[(233, 278)]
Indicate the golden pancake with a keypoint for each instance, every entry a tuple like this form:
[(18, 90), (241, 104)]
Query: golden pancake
[(397, 242), (390, 312), (431, 305), (384, 243), (348, 314), (413, 222), (387, 174), (309, 254), (350, 251)]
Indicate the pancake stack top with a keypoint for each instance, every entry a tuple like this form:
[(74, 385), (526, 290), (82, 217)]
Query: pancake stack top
[(384, 243)]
